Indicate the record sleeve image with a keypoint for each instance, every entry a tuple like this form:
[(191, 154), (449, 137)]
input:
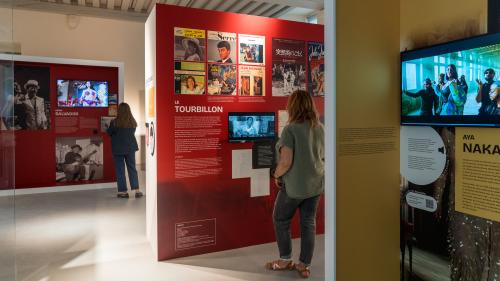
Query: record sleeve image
[(79, 159), (222, 79), (190, 44), (189, 78), (251, 49), (31, 98), (316, 68), (289, 66), (251, 80), (221, 47)]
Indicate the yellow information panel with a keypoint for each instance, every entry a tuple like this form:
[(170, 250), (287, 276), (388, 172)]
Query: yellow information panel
[(477, 170)]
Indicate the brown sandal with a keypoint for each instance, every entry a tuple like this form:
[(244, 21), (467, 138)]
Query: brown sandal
[(304, 271), (280, 265)]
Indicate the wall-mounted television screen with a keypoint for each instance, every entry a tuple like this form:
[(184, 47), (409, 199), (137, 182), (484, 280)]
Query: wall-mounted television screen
[(82, 93), (452, 84), (251, 126)]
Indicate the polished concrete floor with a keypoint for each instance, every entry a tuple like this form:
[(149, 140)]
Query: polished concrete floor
[(92, 235)]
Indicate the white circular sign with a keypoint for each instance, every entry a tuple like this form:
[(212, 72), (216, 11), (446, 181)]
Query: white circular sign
[(422, 154)]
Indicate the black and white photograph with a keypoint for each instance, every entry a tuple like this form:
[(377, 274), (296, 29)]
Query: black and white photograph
[(31, 98), (288, 78), (79, 159), (190, 44)]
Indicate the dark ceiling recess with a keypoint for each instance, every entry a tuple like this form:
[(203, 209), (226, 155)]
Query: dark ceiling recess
[(493, 16)]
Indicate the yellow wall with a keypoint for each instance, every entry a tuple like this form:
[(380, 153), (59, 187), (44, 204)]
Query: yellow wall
[(427, 22), (367, 70)]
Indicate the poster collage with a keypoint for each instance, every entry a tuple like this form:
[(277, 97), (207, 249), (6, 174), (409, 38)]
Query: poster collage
[(223, 63), (28, 107)]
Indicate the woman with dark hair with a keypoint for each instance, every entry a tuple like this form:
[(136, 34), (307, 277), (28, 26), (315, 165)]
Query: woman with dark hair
[(453, 96), (123, 148), (192, 87), (300, 178)]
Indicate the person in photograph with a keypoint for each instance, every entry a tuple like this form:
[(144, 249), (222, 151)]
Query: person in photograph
[(488, 106), (7, 113), (92, 157), (245, 86), (73, 167), (123, 147), (247, 54), (229, 81), (34, 106), (286, 80), (89, 96), (191, 87), (224, 49), (248, 129), (192, 49), (299, 176), (454, 97), (257, 86), (320, 80), (430, 101), (462, 83)]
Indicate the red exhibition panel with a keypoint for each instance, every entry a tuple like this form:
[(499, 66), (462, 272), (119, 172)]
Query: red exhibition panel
[(35, 150), (201, 208)]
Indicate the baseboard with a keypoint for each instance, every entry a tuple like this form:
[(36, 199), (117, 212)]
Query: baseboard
[(62, 188)]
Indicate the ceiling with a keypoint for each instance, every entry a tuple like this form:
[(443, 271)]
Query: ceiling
[(138, 10)]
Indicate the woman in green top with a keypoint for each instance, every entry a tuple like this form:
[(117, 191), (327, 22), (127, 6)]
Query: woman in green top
[(301, 168)]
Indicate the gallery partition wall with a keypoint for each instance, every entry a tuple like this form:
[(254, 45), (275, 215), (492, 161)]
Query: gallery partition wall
[(217, 85)]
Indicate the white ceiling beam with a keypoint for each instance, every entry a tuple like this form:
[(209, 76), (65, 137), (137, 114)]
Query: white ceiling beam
[(125, 5), (248, 7), (281, 12), (211, 4), (237, 6), (260, 8), (151, 5), (224, 5), (139, 5), (111, 4), (273, 9), (36, 5), (309, 4)]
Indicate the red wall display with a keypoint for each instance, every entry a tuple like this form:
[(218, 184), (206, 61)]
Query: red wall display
[(201, 207), (35, 150)]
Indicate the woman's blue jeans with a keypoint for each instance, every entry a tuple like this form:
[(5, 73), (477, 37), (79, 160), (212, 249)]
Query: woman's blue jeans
[(284, 210), (128, 160)]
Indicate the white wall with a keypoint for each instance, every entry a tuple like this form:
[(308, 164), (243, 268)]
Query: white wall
[(56, 35)]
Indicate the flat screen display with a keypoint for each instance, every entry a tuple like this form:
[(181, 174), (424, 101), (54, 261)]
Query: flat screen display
[(251, 126), (452, 84), (82, 93)]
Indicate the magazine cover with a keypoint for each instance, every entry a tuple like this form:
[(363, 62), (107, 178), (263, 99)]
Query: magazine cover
[(251, 82), (316, 68), (251, 49), (190, 44), (189, 78), (289, 66), (221, 47), (31, 98), (222, 79), (79, 159)]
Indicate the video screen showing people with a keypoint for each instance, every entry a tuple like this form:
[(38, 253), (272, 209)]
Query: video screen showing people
[(82, 93), (456, 86), (251, 126)]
